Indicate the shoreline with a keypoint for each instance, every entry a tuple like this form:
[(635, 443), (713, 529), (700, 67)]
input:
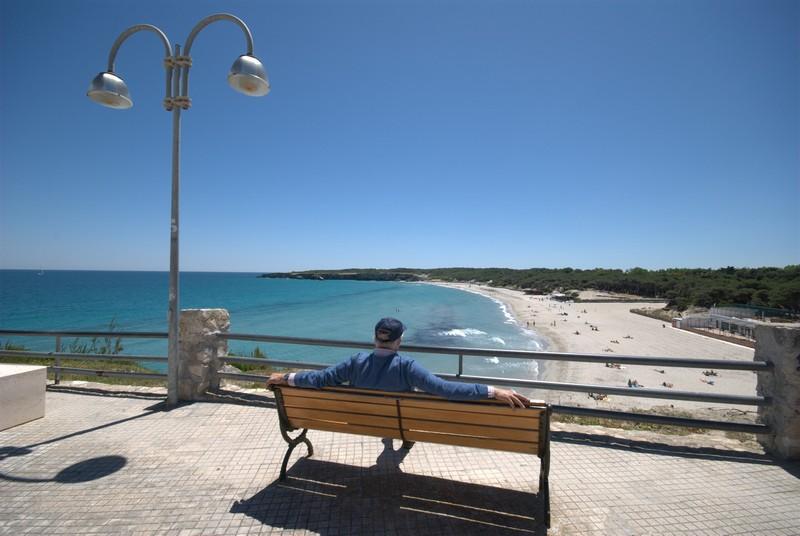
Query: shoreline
[(548, 370), (608, 327)]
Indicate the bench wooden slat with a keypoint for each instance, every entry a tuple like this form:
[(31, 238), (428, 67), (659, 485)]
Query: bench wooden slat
[(330, 394), (341, 417), (472, 407), (355, 429), (523, 421), (337, 405), (477, 442), (417, 425)]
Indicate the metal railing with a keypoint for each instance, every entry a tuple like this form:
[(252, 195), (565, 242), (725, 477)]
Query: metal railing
[(721, 364), (57, 355)]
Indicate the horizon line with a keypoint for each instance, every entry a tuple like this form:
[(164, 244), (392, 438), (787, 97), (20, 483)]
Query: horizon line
[(391, 269)]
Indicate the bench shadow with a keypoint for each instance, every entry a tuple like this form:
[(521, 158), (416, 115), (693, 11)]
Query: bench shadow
[(331, 498)]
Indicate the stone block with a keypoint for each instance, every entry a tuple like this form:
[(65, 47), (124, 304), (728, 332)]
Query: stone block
[(200, 350), (780, 346), (22, 389)]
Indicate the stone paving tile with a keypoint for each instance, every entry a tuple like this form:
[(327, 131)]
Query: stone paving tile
[(120, 465)]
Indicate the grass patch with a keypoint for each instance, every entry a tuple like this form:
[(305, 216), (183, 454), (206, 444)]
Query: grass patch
[(632, 425), (109, 345), (264, 369)]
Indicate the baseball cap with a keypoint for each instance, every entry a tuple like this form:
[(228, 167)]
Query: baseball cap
[(389, 329)]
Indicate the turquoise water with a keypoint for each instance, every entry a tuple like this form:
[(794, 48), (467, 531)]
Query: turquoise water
[(348, 310)]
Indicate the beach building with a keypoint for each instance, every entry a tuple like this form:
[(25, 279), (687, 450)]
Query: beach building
[(736, 320)]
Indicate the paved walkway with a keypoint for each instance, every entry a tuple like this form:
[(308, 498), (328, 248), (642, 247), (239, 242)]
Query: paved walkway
[(118, 464)]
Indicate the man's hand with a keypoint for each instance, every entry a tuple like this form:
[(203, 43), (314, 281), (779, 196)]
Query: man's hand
[(276, 378), (513, 399)]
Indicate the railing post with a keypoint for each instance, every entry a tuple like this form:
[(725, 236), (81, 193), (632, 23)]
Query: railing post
[(200, 350), (58, 360), (780, 345), (460, 364)]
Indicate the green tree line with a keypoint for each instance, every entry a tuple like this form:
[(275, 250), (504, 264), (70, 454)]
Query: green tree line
[(681, 287)]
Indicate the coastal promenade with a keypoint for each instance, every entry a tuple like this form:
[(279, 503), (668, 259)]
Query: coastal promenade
[(110, 460)]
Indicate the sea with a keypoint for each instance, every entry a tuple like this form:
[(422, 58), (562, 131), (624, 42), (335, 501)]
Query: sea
[(329, 309)]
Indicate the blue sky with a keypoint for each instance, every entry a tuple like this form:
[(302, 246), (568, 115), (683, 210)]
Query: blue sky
[(423, 134)]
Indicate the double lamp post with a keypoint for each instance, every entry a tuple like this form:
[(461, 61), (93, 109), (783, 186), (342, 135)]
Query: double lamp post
[(247, 76)]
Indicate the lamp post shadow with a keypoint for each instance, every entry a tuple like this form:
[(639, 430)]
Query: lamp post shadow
[(84, 471)]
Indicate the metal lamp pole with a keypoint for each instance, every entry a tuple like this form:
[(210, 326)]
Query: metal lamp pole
[(247, 76)]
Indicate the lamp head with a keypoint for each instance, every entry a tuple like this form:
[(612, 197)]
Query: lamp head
[(248, 76), (110, 90)]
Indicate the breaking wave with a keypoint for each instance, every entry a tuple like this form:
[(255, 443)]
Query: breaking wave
[(467, 332)]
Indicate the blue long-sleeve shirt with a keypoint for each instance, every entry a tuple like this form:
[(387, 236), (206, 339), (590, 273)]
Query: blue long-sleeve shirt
[(388, 371)]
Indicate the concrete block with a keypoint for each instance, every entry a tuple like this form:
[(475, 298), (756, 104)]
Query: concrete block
[(22, 390), (780, 345)]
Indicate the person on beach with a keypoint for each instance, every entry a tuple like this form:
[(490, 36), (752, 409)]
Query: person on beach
[(386, 370)]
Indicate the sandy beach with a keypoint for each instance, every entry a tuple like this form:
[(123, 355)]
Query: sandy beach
[(610, 328)]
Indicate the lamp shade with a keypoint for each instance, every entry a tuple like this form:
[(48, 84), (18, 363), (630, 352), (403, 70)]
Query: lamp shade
[(110, 90), (248, 76)]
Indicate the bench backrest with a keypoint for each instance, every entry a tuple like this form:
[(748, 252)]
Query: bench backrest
[(486, 424)]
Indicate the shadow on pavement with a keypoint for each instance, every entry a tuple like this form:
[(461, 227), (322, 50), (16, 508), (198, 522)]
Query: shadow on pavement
[(619, 443), (331, 498), (11, 451), (94, 391), (84, 471), (239, 398)]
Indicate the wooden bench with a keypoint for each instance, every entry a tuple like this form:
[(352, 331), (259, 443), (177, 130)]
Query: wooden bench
[(411, 417)]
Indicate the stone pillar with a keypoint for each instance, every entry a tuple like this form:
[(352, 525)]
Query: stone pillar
[(200, 350), (780, 345)]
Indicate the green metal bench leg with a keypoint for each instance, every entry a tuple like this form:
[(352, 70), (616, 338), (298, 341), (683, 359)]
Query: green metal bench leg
[(544, 471), (285, 427), (292, 444), (544, 498)]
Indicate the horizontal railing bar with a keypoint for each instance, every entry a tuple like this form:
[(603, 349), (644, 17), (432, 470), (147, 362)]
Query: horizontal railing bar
[(87, 357), (637, 392), (688, 362), (275, 362), (663, 420), (110, 373), (120, 334)]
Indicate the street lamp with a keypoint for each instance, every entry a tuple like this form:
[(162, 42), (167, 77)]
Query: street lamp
[(246, 76)]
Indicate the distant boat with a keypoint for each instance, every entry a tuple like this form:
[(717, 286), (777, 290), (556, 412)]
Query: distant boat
[(41, 272)]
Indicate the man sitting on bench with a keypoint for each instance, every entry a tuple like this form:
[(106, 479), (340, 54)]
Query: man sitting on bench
[(386, 370)]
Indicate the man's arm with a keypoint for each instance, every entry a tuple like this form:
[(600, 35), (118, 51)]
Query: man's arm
[(424, 380), (333, 375)]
